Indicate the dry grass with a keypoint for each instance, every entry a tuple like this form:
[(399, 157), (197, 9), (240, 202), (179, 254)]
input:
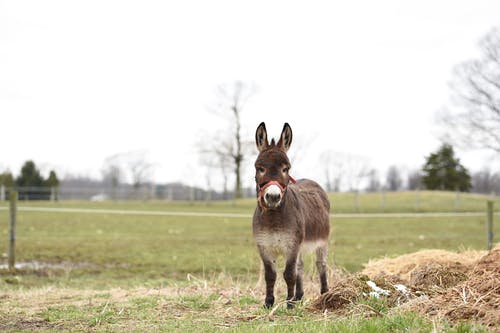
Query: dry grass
[(435, 289), (450, 285), (476, 298), (403, 266)]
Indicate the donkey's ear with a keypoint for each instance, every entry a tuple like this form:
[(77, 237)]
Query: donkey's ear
[(261, 137), (286, 138)]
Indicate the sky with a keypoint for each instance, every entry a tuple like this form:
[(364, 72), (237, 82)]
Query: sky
[(84, 80)]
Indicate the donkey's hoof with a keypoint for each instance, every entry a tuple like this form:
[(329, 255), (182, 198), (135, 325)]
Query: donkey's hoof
[(290, 305), (269, 302)]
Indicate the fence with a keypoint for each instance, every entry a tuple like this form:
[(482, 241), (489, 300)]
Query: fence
[(344, 202), (173, 191)]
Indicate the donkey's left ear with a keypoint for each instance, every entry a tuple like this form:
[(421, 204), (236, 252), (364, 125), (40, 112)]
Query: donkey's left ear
[(286, 138)]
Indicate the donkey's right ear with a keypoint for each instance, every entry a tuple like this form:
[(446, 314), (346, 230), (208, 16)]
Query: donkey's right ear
[(261, 137)]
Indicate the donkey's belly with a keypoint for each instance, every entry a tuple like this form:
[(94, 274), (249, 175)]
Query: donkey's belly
[(276, 243)]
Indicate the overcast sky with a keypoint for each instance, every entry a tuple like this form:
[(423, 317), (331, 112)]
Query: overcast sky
[(83, 80)]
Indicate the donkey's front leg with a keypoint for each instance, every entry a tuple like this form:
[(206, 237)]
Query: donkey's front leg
[(270, 276), (290, 275)]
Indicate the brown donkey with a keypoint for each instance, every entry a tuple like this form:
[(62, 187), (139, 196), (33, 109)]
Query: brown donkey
[(291, 216)]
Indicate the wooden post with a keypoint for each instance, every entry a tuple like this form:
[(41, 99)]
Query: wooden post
[(12, 230), (489, 226), (2, 193)]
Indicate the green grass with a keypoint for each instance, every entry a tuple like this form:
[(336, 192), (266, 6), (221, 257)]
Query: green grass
[(204, 268), (410, 202), (123, 250), (206, 313)]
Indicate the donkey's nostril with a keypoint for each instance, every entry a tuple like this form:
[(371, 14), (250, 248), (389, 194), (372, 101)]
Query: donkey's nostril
[(272, 197)]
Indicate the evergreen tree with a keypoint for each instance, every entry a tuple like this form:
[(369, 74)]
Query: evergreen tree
[(52, 181), (30, 176), (443, 171), (30, 182), (6, 179)]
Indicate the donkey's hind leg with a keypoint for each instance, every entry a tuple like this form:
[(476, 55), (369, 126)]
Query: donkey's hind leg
[(321, 255), (299, 291)]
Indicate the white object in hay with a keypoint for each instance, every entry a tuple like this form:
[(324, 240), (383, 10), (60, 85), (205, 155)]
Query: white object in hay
[(377, 291), (402, 288)]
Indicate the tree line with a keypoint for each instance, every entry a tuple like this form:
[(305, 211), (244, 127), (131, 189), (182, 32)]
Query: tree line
[(30, 179)]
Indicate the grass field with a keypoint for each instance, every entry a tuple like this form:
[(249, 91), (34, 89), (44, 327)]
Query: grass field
[(195, 273)]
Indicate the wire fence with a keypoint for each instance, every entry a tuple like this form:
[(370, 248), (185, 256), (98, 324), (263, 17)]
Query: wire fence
[(122, 192)]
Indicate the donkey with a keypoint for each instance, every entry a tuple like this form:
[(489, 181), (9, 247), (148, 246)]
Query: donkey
[(290, 217)]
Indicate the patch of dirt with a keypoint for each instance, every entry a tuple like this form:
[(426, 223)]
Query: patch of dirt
[(27, 324), (455, 286)]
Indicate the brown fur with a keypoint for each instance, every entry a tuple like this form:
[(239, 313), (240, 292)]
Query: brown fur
[(298, 219)]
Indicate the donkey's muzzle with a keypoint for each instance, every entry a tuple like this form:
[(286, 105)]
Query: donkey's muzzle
[(272, 196)]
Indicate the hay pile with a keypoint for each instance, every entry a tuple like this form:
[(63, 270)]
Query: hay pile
[(403, 266), (435, 283), (476, 298)]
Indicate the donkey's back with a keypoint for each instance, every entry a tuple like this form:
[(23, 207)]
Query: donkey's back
[(315, 207)]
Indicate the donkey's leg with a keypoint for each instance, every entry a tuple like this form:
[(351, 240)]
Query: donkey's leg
[(290, 276), (321, 255), (269, 263), (299, 291), (270, 276)]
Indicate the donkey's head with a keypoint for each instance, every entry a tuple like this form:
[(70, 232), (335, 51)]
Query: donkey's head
[(272, 166)]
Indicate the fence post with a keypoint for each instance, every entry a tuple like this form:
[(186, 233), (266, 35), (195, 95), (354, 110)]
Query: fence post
[(489, 225), (2, 192), (12, 230)]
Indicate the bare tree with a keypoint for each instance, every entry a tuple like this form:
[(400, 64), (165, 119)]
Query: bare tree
[(332, 164), (112, 174), (394, 181), (475, 122), (231, 100), (139, 166), (373, 181), (135, 162), (214, 158), (343, 170), (414, 180), (486, 182)]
